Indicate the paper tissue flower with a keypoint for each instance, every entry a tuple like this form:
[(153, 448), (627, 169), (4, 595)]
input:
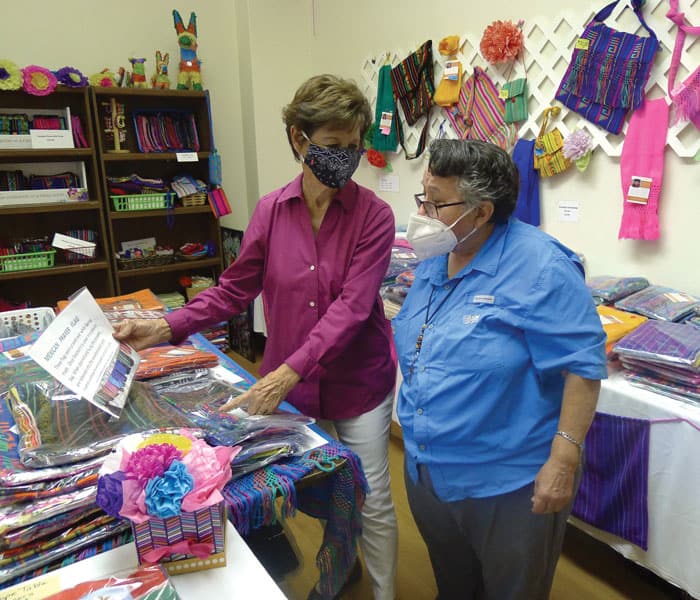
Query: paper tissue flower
[(105, 78), (10, 76), (71, 77), (501, 41), (577, 148), (159, 476), (38, 81), (376, 158)]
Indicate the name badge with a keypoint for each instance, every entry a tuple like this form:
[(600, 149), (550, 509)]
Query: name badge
[(483, 299), (470, 319)]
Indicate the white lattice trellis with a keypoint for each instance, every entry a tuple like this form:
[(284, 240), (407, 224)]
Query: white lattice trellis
[(548, 46)]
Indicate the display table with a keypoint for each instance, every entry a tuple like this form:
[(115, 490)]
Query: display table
[(242, 577), (674, 482)]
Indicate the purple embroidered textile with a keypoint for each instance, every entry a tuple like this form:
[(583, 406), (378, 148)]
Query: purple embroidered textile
[(663, 342), (614, 486), (658, 302)]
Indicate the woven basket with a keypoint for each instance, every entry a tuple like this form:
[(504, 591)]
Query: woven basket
[(146, 261), (197, 199)]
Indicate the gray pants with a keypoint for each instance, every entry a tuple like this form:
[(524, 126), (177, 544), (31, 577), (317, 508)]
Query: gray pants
[(488, 548)]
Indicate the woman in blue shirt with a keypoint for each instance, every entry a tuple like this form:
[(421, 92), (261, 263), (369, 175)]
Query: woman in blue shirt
[(502, 353)]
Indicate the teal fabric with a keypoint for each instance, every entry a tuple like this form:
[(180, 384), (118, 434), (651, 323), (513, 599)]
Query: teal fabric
[(385, 103)]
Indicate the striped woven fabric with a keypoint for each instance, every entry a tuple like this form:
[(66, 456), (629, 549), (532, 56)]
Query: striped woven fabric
[(548, 156), (613, 491), (608, 72)]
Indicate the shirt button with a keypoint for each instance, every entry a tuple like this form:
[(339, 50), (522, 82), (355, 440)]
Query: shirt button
[(420, 411), (422, 369), (312, 267), (312, 304), (431, 326), (421, 447), (447, 286)]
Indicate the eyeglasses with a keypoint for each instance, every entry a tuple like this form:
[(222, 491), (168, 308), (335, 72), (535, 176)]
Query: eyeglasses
[(431, 209)]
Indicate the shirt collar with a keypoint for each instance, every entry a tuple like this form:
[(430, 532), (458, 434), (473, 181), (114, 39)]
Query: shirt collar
[(486, 260), (346, 195)]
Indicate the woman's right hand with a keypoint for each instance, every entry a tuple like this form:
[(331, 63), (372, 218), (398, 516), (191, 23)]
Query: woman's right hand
[(142, 333)]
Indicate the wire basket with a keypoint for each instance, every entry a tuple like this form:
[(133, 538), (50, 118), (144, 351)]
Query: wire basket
[(142, 202), (81, 254), (26, 262), (197, 199)]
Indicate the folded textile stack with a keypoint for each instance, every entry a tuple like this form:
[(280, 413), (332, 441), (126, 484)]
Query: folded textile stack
[(135, 184), (617, 324), (663, 357), (167, 359), (608, 289), (218, 335), (660, 302), (398, 278), (172, 300)]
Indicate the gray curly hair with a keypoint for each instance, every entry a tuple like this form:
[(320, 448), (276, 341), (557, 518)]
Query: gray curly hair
[(484, 171)]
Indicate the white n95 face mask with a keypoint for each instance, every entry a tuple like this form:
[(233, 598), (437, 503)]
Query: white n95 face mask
[(431, 237)]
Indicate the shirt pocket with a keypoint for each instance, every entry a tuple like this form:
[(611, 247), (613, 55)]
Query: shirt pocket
[(475, 335)]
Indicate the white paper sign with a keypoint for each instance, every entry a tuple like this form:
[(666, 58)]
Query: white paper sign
[(568, 211), (78, 349), (389, 183), (65, 242), (51, 138), (187, 157)]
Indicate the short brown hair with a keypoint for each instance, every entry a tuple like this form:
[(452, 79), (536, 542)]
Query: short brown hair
[(327, 100)]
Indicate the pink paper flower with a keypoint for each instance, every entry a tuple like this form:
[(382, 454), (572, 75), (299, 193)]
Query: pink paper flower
[(577, 144), (501, 42), (210, 470), (38, 81), (151, 461)]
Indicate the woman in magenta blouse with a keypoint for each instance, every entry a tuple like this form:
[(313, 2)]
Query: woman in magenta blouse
[(317, 249)]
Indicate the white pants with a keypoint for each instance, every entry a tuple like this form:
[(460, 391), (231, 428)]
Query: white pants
[(368, 437)]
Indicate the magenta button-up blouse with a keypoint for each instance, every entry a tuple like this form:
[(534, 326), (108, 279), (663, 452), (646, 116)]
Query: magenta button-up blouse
[(324, 316)]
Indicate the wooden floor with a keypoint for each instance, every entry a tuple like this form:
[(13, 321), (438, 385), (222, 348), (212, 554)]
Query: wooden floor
[(587, 570)]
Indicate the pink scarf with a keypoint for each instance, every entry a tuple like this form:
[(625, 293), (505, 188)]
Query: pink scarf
[(685, 96)]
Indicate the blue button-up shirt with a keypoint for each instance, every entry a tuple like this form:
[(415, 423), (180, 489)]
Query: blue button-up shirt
[(480, 402)]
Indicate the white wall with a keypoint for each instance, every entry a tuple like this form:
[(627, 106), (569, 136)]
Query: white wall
[(348, 32)]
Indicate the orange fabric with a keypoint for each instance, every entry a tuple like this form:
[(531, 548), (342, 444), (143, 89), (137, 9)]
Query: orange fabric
[(618, 323)]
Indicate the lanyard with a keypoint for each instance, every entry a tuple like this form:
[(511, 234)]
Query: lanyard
[(428, 317)]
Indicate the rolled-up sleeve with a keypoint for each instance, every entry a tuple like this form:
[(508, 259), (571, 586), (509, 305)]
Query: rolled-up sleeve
[(562, 328), (349, 311)]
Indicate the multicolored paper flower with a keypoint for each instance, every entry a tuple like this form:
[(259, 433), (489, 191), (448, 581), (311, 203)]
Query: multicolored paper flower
[(71, 77), (577, 148), (105, 78), (38, 81), (148, 477), (10, 76), (501, 41)]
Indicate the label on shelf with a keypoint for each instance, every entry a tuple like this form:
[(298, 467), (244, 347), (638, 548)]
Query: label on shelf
[(187, 157), (51, 138)]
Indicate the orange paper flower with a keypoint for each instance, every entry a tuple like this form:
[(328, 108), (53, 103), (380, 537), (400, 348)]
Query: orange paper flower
[(501, 42)]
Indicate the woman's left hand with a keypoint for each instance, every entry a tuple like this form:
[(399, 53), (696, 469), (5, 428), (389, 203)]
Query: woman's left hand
[(267, 393), (554, 486)]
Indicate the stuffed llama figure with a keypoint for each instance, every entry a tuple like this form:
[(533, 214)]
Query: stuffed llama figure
[(160, 79), (189, 76)]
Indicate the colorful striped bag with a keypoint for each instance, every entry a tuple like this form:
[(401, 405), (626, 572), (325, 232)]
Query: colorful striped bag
[(608, 71), (480, 113), (548, 155)]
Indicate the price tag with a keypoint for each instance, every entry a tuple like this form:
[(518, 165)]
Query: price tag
[(187, 157), (385, 123), (451, 70), (582, 44), (639, 189), (503, 94)]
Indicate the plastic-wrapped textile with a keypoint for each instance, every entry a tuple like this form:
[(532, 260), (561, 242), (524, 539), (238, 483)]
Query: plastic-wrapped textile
[(34, 547), (37, 531), (21, 515), (670, 373), (659, 302), (141, 583), (121, 538), (167, 359), (663, 387), (57, 427), (18, 568), (406, 278), (402, 259), (663, 342), (618, 323), (610, 288), (47, 489)]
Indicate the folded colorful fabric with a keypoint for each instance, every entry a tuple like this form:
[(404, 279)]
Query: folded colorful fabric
[(659, 302), (167, 359), (611, 289), (677, 391), (618, 323), (663, 342)]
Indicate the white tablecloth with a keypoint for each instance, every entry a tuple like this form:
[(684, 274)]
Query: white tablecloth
[(242, 577), (674, 483)]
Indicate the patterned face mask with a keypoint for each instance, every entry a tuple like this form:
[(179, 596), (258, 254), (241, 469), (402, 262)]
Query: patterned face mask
[(333, 167)]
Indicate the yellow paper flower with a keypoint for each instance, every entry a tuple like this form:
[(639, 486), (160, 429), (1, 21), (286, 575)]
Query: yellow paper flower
[(182, 443), (10, 75)]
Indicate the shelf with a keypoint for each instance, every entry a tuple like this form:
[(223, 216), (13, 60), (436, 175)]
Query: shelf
[(57, 270), (52, 155), (22, 209), (114, 91), (178, 210), (145, 156), (172, 267)]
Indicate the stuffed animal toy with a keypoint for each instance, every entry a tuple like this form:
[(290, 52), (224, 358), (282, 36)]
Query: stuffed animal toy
[(160, 79), (138, 75), (189, 76)]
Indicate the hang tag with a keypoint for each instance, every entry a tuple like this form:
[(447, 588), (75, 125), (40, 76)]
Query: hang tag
[(503, 94), (385, 123), (451, 70), (582, 44), (678, 297), (639, 189), (609, 320)]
